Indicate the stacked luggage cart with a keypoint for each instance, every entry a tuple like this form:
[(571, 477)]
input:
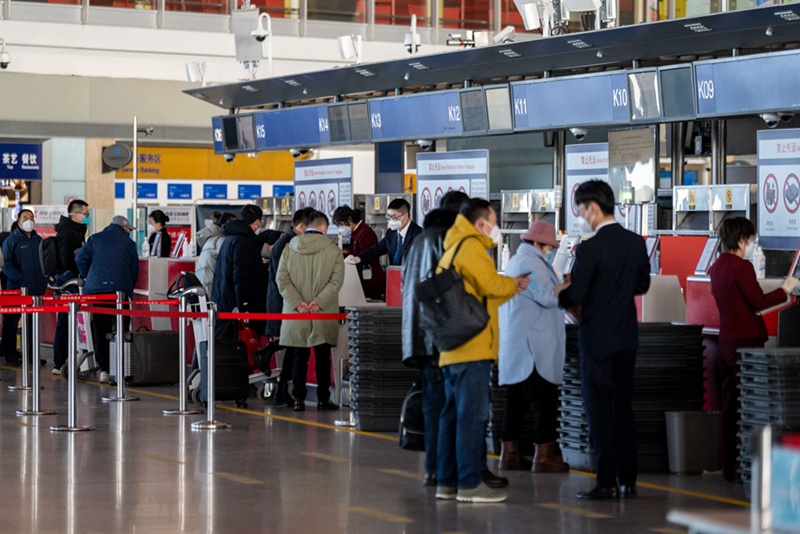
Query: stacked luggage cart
[(668, 377), (769, 384), (378, 379)]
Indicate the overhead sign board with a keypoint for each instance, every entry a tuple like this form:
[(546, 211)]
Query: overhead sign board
[(305, 126), (20, 161), (421, 116), (554, 103)]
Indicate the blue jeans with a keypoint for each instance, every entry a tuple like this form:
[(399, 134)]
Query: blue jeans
[(432, 403), (462, 424)]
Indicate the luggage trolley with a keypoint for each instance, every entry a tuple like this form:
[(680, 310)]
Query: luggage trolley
[(86, 360)]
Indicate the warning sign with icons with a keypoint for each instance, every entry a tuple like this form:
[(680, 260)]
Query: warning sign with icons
[(778, 189), (324, 185)]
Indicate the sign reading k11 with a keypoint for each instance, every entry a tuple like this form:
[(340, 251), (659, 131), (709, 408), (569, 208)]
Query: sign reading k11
[(20, 161)]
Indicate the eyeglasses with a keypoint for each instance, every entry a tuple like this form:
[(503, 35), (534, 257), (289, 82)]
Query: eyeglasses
[(394, 217)]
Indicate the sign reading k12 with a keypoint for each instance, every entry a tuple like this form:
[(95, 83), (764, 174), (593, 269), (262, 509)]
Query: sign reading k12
[(20, 161)]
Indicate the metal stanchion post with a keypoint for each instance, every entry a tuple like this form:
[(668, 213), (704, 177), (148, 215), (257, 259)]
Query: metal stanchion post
[(182, 409), (120, 355), (36, 410), (26, 356), (72, 379), (210, 423)]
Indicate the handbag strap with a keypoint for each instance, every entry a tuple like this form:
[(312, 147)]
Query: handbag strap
[(453, 259)]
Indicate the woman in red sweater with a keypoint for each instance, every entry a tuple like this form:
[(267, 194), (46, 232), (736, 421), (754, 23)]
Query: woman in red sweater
[(739, 298), (362, 237)]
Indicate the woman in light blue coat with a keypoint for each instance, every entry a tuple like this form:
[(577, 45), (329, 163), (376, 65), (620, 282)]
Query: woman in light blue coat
[(532, 347)]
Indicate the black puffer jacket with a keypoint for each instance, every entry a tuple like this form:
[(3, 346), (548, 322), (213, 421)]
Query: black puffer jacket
[(238, 280), (70, 236), (421, 259)]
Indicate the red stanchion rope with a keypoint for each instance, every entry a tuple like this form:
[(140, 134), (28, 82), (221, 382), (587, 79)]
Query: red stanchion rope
[(16, 301), (99, 297), (34, 309), (222, 316), (142, 313), (10, 292), (167, 302)]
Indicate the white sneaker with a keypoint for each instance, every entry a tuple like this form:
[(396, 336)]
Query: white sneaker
[(56, 371), (103, 377)]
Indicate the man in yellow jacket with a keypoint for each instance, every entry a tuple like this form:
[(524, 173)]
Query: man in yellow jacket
[(467, 369)]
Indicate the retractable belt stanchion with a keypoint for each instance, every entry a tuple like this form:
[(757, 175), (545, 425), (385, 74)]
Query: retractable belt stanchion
[(36, 410), (26, 356), (210, 423), (182, 406), (72, 379), (120, 344)]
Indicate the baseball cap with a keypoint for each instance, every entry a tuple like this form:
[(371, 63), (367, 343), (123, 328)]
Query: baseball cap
[(123, 222)]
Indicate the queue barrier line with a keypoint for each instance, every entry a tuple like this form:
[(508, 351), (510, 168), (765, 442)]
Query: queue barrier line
[(163, 302), (222, 316), (16, 301), (25, 310), (68, 297), (10, 292)]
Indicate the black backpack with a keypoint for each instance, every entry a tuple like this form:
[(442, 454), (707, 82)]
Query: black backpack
[(51, 259), (411, 431)]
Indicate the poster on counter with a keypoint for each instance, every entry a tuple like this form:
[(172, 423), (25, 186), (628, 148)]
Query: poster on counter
[(584, 163), (324, 185), (779, 189), (439, 173)]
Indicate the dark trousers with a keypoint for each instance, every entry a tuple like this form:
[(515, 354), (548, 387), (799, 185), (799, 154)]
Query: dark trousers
[(543, 396), (725, 368), (433, 398), (607, 386), (61, 341), (322, 353), (103, 326), (287, 367), (8, 342)]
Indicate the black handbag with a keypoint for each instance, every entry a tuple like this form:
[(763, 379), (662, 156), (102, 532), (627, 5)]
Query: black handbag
[(411, 430), (450, 314)]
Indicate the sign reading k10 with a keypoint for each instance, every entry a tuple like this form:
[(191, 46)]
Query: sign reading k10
[(570, 101), (429, 115), (299, 127), (20, 161)]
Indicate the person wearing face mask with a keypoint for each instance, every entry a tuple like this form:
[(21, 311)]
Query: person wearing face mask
[(402, 231), (211, 228), (362, 238), (610, 269), (532, 349), (23, 267), (466, 370), (739, 299), (160, 241), (207, 261), (70, 236)]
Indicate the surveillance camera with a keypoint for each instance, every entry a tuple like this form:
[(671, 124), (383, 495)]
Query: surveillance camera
[(770, 119), (5, 59), (786, 116), (229, 157), (424, 144), (412, 42), (298, 152), (260, 34), (579, 133), (506, 35)]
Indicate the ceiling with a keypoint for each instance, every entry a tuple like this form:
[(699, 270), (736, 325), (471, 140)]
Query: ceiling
[(657, 43)]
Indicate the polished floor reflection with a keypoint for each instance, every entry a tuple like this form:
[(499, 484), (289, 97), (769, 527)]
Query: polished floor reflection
[(273, 471)]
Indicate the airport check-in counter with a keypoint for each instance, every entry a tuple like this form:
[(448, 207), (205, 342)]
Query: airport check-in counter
[(520, 208), (278, 212)]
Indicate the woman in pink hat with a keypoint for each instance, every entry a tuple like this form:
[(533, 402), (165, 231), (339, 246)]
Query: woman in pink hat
[(532, 348)]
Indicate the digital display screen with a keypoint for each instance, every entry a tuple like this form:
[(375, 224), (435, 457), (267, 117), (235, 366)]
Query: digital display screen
[(633, 164), (338, 123), (238, 133), (498, 108), (473, 113), (230, 133), (645, 97), (677, 84), (247, 134), (359, 122)]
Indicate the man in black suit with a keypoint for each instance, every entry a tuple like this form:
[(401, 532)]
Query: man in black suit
[(609, 270), (402, 230)]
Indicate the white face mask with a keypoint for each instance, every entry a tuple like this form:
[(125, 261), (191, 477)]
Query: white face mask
[(209, 223), (395, 224), (27, 225), (749, 250), (495, 235), (586, 226), (151, 229), (345, 231)]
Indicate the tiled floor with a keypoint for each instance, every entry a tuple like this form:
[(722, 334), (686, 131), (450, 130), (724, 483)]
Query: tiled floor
[(273, 471)]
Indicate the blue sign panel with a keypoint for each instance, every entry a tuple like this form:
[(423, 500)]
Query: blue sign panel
[(119, 190), (748, 85), (179, 191), (215, 191), (570, 101), (249, 192), (147, 190), (299, 127), (20, 161), (216, 126), (282, 190), (429, 115)]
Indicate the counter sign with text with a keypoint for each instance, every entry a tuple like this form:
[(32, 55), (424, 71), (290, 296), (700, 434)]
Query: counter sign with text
[(779, 189), (439, 173), (324, 185)]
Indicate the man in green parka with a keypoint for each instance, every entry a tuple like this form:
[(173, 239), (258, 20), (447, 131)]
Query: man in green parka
[(310, 275)]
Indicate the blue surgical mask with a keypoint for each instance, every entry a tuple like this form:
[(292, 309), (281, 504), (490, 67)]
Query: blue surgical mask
[(87, 220), (549, 256)]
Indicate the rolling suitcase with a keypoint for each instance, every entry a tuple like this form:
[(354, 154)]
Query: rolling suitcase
[(151, 358), (232, 376)]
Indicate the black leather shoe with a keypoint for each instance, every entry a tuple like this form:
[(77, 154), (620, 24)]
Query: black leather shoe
[(327, 405), (13, 361), (628, 492), (492, 480), (299, 406), (429, 481), (599, 494)]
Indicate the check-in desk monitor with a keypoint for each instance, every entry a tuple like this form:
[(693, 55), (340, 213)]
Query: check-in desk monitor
[(708, 257)]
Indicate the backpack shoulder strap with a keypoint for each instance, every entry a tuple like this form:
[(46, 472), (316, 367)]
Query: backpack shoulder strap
[(453, 259)]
